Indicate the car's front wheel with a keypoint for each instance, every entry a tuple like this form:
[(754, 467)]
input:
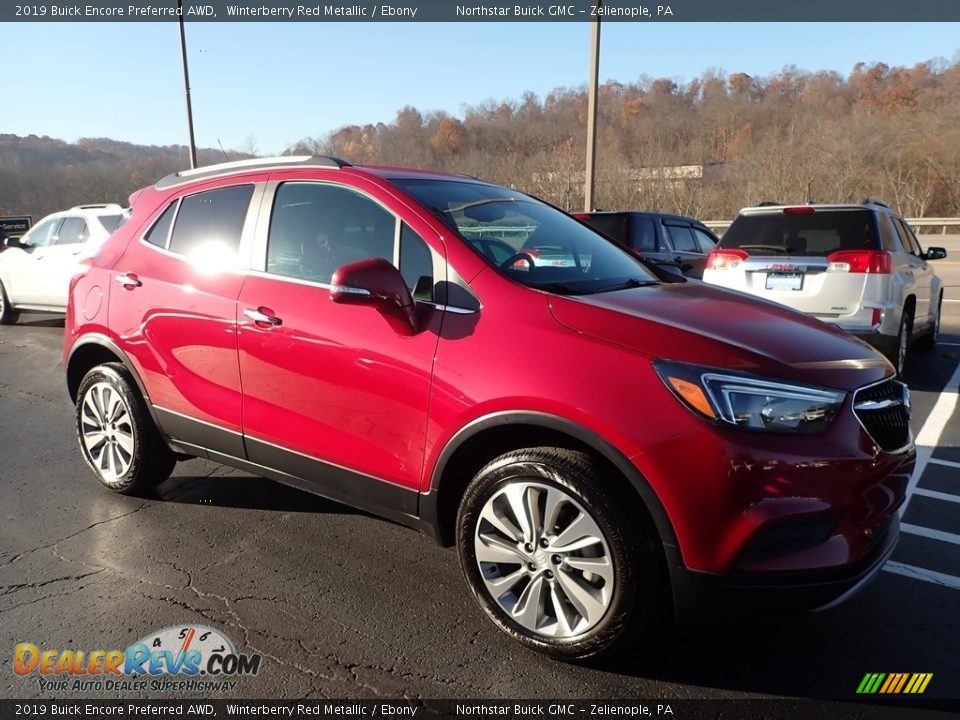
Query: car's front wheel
[(117, 436), (557, 556)]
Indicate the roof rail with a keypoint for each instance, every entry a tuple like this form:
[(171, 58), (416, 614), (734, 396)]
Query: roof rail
[(98, 206), (874, 201), (227, 168), (767, 203)]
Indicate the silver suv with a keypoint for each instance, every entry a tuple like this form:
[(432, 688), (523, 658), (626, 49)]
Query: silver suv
[(859, 267)]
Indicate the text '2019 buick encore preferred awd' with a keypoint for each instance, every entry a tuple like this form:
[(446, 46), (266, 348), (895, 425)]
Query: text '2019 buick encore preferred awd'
[(460, 357)]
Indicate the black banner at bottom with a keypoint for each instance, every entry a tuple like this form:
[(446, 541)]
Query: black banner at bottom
[(479, 709)]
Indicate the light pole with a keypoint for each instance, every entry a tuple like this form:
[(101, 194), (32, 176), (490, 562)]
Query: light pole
[(186, 84), (592, 108)]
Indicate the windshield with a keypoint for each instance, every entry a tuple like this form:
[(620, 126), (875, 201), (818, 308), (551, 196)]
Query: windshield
[(528, 240)]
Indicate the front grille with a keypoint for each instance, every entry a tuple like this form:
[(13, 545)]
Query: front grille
[(884, 412)]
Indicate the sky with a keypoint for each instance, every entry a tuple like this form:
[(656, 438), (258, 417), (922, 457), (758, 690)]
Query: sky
[(261, 87)]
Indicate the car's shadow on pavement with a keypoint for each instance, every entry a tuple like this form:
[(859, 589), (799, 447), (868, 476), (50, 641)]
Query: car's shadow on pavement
[(248, 492), (789, 656), (41, 321), (924, 369)]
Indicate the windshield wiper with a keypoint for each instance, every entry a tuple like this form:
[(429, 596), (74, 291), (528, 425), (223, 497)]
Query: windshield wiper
[(557, 287), (626, 284)]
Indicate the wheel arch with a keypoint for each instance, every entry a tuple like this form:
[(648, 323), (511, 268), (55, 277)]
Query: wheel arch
[(492, 435), (96, 349)]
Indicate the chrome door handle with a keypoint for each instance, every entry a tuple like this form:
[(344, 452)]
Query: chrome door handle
[(262, 318), (129, 280)]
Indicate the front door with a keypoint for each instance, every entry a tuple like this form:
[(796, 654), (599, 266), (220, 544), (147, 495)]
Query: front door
[(331, 393), (60, 262)]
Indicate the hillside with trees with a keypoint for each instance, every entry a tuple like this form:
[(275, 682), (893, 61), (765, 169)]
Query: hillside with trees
[(40, 175), (704, 148)]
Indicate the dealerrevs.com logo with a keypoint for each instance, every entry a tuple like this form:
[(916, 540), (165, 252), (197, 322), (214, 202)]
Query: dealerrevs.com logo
[(181, 658)]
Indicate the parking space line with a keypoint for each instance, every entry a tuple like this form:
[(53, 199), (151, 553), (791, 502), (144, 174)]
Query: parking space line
[(937, 495), (930, 576), (948, 463), (946, 537), (932, 429)]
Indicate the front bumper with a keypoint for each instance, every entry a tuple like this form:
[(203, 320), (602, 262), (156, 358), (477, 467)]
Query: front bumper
[(704, 598)]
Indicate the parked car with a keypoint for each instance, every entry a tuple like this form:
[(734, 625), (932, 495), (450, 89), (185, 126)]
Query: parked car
[(664, 239), (599, 446), (35, 270), (858, 267)]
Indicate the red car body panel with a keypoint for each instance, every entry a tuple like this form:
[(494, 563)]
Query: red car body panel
[(335, 382)]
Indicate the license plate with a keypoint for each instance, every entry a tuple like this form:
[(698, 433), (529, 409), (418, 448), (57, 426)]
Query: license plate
[(784, 281)]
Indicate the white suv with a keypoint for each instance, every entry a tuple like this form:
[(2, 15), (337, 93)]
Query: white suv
[(859, 267), (35, 270)]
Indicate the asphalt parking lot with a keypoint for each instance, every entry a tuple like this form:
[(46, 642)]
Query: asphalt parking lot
[(344, 605)]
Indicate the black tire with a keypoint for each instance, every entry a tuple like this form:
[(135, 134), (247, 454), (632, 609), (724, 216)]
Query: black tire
[(929, 340), (901, 346), (125, 450), (8, 316), (637, 590)]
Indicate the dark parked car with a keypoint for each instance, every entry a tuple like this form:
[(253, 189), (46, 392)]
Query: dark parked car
[(659, 237), (601, 447)]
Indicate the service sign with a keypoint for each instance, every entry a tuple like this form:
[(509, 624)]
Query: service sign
[(15, 225)]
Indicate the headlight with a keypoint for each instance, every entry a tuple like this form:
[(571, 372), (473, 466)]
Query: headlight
[(750, 402)]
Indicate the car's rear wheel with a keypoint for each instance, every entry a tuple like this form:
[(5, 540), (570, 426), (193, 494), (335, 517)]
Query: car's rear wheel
[(8, 316), (929, 341), (117, 436), (554, 554)]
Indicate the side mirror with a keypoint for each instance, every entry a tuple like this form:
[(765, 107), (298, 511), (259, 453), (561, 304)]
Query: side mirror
[(935, 253), (377, 283), (12, 242)]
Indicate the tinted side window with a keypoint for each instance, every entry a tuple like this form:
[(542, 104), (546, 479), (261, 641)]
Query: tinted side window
[(73, 231), (614, 226), (681, 238), (416, 263), (887, 234), (643, 235), (110, 222), (316, 228), (706, 241), (160, 232), (907, 239), (210, 223)]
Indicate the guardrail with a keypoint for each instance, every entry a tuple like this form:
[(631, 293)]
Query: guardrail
[(943, 223)]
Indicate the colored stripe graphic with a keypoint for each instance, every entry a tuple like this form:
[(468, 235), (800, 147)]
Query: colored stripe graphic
[(894, 683)]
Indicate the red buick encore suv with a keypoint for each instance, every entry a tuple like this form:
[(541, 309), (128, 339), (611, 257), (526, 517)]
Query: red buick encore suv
[(600, 443)]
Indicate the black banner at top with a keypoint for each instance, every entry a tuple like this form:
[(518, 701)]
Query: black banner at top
[(484, 11)]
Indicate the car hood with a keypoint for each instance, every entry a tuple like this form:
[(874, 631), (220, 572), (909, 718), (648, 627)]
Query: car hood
[(697, 323)]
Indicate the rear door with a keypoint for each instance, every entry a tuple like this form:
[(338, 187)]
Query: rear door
[(686, 252), (920, 273), (173, 299)]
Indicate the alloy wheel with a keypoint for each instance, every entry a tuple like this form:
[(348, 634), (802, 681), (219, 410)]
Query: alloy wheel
[(544, 560), (106, 431)]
